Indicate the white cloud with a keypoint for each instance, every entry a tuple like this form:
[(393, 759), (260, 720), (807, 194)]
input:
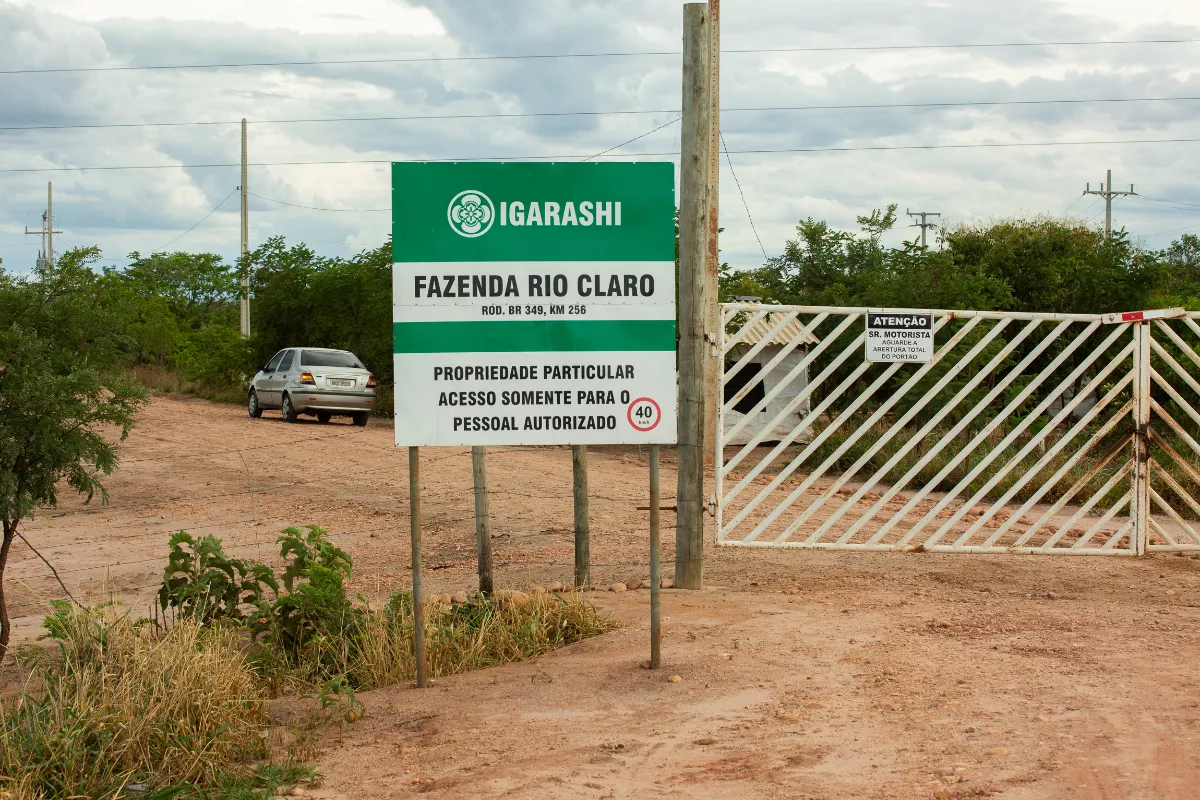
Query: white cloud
[(144, 209), (301, 16)]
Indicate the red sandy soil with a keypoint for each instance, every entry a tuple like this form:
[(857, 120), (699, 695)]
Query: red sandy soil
[(802, 674)]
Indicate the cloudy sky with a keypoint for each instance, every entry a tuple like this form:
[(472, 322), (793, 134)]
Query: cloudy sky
[(299, 113)]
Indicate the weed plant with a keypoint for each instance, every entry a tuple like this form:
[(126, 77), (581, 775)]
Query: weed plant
[(175, 707), (482, 632), (118, 708)]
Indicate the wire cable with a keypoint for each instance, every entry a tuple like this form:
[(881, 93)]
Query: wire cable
[(743, 194), (314, 208), (1069, 207), (534, 114), (761, 151), (197, 225), (1183, 204), (551, 56), (634, 139), (1172, 230)]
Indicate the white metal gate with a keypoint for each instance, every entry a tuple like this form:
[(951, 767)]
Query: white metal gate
[(1038, 433)]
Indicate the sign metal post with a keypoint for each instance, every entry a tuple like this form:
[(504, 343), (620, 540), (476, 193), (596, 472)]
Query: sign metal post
[(655, 567), (414, 506)]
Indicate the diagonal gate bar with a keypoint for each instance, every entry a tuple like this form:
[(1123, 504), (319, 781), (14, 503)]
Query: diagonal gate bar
[(1074, 434)]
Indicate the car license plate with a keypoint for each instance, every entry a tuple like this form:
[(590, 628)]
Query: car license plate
[(347, 382)]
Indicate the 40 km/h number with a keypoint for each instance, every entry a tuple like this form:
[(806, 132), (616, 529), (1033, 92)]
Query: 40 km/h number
[(644, 414)]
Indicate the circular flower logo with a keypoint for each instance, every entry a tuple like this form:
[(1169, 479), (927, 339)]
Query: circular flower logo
[(471, 213)]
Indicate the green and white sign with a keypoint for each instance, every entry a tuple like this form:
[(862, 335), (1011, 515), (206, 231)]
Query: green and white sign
[(534, 303)]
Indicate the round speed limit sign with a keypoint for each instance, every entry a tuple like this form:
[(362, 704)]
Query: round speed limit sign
[(644, 414)]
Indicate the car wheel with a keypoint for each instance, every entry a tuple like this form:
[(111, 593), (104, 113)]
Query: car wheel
[(323, 417), (252, 406), (360, 419), (289, 411)]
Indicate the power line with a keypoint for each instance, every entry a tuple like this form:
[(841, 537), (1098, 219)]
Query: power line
[(409, 118), (1172, 230), (589, 158), (762, 151), (634, 139), (1182, 204), (314, 208), (1063, 213), (535, 114), (745, 205), (197, 225), (551, 56), (1087, 212)]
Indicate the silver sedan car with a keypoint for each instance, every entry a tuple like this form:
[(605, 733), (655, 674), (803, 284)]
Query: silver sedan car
[(312, 380)]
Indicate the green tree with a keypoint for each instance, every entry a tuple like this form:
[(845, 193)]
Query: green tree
[(198, 288), (828, 267), (280, 277), (300, 299), (1180, 274), (66, 310), (56, 414), (1057, 266)]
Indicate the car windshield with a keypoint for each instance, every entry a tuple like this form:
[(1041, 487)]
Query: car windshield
[(329, 358)]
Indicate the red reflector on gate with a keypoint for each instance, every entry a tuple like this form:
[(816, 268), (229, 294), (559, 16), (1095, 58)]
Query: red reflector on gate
[(1144, 316)]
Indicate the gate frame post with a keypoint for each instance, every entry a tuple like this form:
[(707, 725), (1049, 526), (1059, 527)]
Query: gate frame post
[(1140, 502), (718, 424)]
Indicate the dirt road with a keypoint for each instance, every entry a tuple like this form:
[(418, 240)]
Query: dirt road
[(802, 674)]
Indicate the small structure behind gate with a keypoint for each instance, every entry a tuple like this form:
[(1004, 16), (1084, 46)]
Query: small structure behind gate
[(1038, 433)]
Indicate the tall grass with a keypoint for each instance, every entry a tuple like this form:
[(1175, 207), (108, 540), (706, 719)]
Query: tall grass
[(175, 707), (377, 648), (474, 635), (119, 703)]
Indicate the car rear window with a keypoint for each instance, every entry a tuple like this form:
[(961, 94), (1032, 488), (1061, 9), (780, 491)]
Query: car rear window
[(329, 358)]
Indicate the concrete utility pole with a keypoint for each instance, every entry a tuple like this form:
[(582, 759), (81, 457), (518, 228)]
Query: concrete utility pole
[(712, 265), (45, 261), (695, 218), (1108, 194), (923, 224), (245, 309)]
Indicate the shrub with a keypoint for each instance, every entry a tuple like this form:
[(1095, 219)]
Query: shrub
[(216, 356), (312, 626), (202, 583), (314, 637)]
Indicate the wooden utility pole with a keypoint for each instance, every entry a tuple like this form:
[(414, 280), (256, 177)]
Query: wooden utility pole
[(245, 306), (695, 199), (483, 524), (583, 544), (712, 264)]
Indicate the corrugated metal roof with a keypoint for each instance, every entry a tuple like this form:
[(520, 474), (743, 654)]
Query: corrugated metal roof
[(793, 329)]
